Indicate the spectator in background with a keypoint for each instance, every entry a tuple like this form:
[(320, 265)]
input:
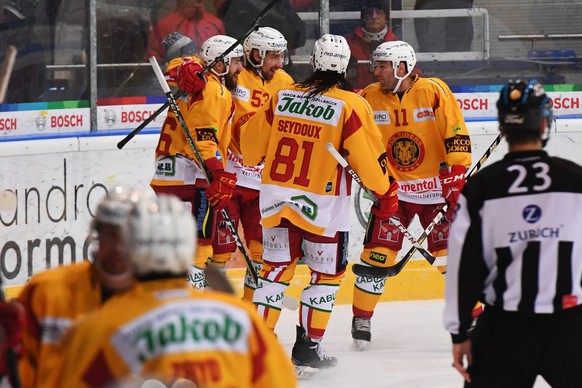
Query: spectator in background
[(238, 16), (177, 45), (372, 31), (189, 19), (446, 34), (28, 79)]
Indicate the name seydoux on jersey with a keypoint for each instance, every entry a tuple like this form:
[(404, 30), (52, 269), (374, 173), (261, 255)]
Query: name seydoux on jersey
[(308, 130)]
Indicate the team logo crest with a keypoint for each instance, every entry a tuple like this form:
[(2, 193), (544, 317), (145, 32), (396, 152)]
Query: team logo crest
[(224, 236), (387, 233), (406, 151)]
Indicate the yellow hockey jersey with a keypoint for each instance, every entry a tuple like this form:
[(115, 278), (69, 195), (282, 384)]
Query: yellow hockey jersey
[(251, 93), (420, 130), (164, 330), (208, 117), (302, 182), (53, 300)]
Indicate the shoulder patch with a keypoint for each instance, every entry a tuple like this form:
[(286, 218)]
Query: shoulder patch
[(206, 134)]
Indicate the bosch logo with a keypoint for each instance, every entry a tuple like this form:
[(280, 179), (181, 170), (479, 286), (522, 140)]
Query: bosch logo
[(531, 213)]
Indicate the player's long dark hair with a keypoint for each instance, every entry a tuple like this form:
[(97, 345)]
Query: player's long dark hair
[(321, 81)]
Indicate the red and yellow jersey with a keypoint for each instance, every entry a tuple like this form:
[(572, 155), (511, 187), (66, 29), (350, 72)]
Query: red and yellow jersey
[(164, 330), (53, 300), (302, 182), (208, 117), (251, 93), (421, 129)]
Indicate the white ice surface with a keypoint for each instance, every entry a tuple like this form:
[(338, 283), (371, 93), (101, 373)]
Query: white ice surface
[(409, 348)]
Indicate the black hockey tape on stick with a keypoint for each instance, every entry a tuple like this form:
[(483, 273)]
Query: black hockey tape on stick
[(364, 270), (344, 163), (181, 93), (174, 106)]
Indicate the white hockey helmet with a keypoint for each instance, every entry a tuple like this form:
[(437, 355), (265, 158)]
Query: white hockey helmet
[(396, 52), (162, 236), (331, 53), (213, 47), (115, 207), (263, 39), (113, 211)]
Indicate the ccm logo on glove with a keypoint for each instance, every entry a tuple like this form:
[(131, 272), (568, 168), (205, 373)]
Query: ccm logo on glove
[(221, 189)]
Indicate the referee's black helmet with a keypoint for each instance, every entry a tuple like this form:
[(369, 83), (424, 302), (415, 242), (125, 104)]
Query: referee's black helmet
[(525, 106)]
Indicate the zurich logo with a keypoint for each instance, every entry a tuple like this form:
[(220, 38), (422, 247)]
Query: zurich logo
[(531, 213)]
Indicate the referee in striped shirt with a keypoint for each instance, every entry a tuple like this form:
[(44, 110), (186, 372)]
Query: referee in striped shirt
[(516, 245)]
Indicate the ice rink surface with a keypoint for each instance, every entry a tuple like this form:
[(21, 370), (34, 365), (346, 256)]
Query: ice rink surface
[(409, 348)]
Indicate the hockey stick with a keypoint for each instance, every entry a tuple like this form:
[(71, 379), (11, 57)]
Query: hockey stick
[(181, 93), (174, 106), (11, 358), (217, 280), (6, 71), (344, 163), (378, 272)]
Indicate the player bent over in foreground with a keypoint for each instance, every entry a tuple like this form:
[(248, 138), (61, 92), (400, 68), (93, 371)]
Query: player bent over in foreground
[(163, 329)]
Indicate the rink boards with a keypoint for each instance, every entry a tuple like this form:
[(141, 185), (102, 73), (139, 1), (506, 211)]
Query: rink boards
[(59, 181)]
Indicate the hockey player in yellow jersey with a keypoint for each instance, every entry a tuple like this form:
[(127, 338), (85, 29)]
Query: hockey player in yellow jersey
[(208, 115), (162, 329), (53, 299), (262, 76), (422, 126), (305, 194)]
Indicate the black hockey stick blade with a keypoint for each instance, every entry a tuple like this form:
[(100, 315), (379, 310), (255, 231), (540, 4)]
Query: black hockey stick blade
[(379, 272)]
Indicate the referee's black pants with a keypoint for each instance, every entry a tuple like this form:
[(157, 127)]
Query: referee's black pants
[(511, 349)]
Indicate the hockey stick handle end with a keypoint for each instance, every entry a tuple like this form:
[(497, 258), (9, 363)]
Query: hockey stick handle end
[(340, 159), (159, 75)]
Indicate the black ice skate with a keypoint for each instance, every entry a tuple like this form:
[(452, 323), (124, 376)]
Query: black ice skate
[(308, 356), (361, 332)]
